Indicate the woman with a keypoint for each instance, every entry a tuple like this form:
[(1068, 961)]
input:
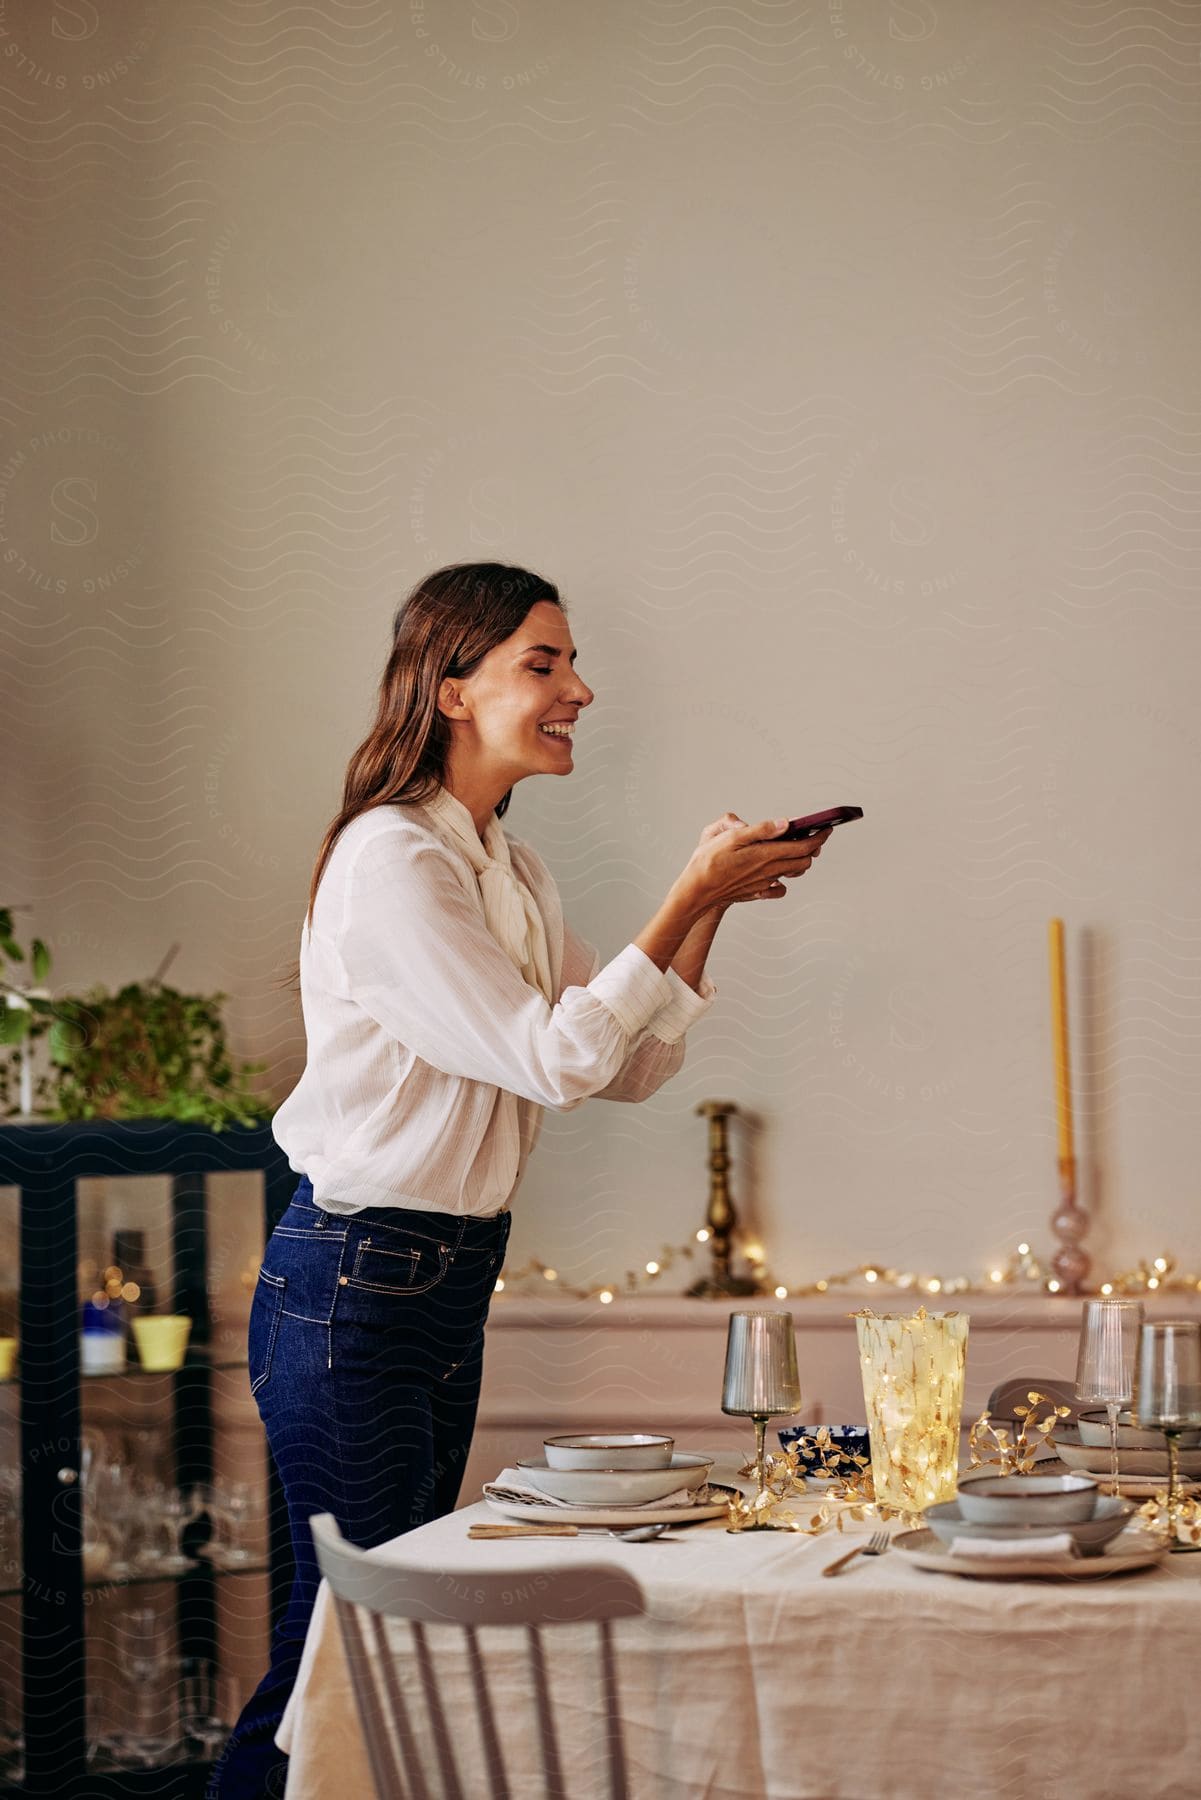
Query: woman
[(446, 1003)]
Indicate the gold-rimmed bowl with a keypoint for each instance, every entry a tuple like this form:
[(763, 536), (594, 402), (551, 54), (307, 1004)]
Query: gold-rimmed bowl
[(989, 1499), (609, 1450)]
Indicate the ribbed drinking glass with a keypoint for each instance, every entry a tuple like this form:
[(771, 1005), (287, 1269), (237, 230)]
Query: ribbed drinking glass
[(761, 1380), (1106, 1359), (1169, 1395)]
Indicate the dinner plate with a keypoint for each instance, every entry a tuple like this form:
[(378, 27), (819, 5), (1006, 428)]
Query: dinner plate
[(1093, 1458), (923, 1549), (530, 1513), (1137, 1484)]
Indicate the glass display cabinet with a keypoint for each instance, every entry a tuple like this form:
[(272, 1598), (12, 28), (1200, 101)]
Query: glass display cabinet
[(144, 1551)]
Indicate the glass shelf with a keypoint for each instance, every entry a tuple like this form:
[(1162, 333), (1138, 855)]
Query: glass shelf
[(188, 1781), (201, 1567), (194, 1360)]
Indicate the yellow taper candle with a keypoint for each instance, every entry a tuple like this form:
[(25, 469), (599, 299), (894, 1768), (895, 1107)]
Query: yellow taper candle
[(1059, 1029)]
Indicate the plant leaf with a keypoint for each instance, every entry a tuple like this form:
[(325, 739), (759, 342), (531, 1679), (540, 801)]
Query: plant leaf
[(14, 1023)]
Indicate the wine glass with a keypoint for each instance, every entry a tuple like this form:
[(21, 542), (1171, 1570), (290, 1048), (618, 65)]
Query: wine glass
[(117, 1508), (171, 1510), (10, 1524), (1169, 1396), (145, 1659), (761, 1380), (1105, 1362), (12, 1739), (207, 1708), (233, 1505)]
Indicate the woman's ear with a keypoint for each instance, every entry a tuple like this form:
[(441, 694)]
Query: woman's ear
[(449, 701)]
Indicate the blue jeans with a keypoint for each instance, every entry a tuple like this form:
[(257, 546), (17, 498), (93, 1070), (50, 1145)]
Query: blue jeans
[(365, 1354)]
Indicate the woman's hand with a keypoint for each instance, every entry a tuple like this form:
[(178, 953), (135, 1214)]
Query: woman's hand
[(736, 861)]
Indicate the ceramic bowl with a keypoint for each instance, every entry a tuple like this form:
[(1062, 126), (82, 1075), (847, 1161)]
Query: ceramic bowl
[(947, 1523), (1027, 1499), (617, 1487), (1094, 1431), (609, 1450)]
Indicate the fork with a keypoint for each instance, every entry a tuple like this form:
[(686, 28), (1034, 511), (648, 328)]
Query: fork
[(876, 1545)]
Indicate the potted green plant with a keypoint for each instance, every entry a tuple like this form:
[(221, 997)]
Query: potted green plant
[(28, 1010), (147, 1051)]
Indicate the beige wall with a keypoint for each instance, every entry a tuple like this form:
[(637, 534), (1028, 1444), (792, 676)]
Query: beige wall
[(838, 359)]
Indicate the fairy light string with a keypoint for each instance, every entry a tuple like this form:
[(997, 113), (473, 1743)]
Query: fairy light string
[(1158, 1274)]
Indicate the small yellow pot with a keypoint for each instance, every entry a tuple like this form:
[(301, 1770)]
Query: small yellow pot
[(8, 1356), (162, 1340)]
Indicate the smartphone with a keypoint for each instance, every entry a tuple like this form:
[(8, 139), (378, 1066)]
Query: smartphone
[(814, 822)]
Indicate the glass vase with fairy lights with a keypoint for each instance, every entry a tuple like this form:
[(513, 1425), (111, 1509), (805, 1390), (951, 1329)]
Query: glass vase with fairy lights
[(912, 1368)]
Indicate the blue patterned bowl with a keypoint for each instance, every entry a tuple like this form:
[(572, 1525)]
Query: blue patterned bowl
[(845, 1442)]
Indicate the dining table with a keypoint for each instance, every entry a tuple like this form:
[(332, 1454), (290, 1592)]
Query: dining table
[(748, 1674)]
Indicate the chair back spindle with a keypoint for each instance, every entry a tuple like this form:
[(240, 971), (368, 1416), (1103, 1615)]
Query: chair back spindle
[(552, 1771), (489, 1735)]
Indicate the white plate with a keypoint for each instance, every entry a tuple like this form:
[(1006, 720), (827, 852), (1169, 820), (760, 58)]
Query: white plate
[(1093, 1428), (923, 1549), (531, 1514), (1145, 1487), (1094, 1460)]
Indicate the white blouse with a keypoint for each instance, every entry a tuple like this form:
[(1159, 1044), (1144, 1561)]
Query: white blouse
[(430, 1058)]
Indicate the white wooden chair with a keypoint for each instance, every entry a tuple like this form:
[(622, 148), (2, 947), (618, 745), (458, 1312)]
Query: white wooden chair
[(412, 1757)]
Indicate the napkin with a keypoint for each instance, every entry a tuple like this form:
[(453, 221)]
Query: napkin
[(1055, 1543), (510, 1485)]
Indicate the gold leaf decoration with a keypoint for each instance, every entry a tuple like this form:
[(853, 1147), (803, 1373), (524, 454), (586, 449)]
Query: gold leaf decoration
[(991, 1444)]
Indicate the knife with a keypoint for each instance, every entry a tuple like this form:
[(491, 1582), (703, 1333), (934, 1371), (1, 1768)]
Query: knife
[(516, 1531)]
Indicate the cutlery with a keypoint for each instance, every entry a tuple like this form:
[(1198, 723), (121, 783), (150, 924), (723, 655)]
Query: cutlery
[(876, 1545), (516, 1531), (636, 1534)]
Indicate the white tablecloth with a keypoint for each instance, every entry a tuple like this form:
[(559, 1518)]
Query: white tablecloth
[(749, 1675)]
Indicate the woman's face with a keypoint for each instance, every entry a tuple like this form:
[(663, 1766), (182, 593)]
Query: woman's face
[(522, 685)]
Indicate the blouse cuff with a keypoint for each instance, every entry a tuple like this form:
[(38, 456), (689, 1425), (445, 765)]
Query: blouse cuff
[(633, 989), (684, 1008)]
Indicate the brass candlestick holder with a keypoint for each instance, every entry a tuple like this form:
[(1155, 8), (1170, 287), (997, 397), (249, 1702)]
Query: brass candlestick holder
[(720, 1217)]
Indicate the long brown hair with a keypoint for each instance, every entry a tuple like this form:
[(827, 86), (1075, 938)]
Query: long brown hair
[(445, 627)]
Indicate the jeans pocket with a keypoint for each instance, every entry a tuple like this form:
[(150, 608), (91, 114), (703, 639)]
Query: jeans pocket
[(265, 1314), (399, 1268)]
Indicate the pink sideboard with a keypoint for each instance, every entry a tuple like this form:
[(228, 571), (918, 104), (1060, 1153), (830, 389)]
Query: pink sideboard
[(655, 1364)]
